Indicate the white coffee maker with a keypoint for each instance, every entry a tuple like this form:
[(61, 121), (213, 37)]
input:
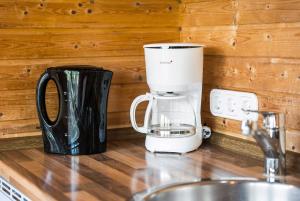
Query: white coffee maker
[(172, 120)]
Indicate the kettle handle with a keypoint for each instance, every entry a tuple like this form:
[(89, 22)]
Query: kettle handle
[(40, 98), (135, 103)]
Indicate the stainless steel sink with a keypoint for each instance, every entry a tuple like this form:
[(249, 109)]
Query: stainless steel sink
[(229, 190)]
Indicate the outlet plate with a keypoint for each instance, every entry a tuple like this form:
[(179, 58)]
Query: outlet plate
[(229, 104)]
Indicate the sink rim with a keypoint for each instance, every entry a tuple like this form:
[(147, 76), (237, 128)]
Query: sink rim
[(204, 182)]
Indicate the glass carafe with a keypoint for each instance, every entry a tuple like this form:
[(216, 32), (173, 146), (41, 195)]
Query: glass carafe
[(167, 115)]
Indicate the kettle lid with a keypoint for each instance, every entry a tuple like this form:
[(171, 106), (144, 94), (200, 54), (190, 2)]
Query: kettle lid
[(77, 68)]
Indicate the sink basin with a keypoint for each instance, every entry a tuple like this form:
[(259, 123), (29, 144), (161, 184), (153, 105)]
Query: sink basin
[(231, 190)]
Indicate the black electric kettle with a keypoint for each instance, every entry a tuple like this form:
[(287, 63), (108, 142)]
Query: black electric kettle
[(80, 126)]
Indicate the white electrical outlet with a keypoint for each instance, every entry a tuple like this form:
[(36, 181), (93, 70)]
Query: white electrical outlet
[(229, 104)]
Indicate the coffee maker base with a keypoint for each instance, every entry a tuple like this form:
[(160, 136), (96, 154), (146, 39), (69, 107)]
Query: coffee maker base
[(173, 145)]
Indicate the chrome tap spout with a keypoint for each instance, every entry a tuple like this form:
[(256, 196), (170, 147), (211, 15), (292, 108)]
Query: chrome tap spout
[(271, 139)]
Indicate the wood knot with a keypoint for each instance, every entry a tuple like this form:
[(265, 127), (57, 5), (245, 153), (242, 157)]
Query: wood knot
[(25, 12), (293, 147), (1, 114), (140, 78), (284, 74), (75, 46), (170, 8), (73, 12), (89, 11), (268, 36), (80, 4), (233, 43), (137, 3)]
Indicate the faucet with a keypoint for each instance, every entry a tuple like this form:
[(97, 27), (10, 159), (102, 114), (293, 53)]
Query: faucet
[(271, 139)]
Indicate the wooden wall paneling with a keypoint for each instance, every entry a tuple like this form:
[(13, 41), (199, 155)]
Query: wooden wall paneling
[(31, 127), (269, 100), (250, 46), (88, 14), (35, 35), (267, 12), (207, 13), (18, 109), (238, 12), (20, 104), (23, 74), (19, 77), (247, 40), (261, 74), (66, 43)]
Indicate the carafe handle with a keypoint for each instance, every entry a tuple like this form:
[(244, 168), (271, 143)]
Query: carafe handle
[(135, 103), (40, 98)]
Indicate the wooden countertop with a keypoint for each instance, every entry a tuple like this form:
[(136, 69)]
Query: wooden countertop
[(126, 168)]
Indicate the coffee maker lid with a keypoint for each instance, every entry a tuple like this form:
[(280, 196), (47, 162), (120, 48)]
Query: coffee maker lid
[(173, 45)]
